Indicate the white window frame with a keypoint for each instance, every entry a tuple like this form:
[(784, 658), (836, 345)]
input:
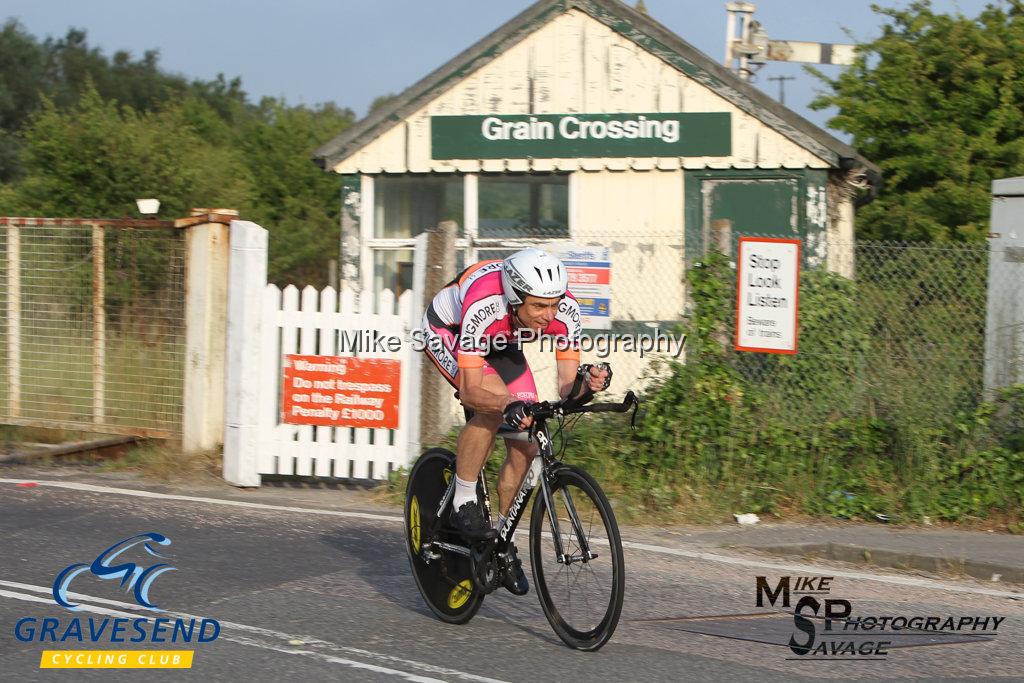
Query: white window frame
[(507, 243), (470, 245)]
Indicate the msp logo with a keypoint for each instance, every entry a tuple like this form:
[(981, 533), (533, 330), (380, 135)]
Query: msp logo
[(825, 628), (136, 577), (133, 575)]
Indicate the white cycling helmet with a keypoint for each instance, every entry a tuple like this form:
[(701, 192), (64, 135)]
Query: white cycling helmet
[(533, 272)]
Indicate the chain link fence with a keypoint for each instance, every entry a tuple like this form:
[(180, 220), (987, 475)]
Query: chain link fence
[(905, 334), (94, 327), (882, 413)]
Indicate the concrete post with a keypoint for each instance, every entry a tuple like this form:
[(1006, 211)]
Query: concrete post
[(721, 241), (248, 278), (435, 391), (206, 290), (13, 321)]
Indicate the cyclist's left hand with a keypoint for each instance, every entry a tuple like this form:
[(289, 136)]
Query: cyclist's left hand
[(599, 377)]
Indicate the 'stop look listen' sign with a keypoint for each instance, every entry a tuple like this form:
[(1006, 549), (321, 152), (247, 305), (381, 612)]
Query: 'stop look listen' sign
[(767, 294)]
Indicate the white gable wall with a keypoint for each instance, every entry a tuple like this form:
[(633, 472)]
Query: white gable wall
[(578, 65)]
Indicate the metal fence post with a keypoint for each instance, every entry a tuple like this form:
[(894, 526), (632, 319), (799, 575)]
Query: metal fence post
[(1004, 329), (248, 281), (206, 290)]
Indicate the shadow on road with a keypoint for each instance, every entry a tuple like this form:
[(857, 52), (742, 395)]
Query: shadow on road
[(383, 568)]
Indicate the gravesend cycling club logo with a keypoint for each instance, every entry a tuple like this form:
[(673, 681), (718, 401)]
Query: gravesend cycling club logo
[(137, 578), (134, 563), (825, 628)]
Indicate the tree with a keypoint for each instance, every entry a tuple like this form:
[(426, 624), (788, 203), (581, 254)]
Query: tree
[(22, 70), (381, 101), (97, 157), (84, 135), (296, 201), (938, 103), (61, 70)]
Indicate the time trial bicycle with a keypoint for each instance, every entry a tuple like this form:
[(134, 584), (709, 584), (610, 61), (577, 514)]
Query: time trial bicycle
[(575, 548)]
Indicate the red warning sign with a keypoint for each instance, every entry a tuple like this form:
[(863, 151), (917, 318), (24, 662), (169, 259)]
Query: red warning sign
[(335, 391)]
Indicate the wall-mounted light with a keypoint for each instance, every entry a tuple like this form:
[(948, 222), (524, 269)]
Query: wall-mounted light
[(148, 206)]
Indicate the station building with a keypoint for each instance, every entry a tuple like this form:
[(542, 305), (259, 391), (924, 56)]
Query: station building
[(584, 123)]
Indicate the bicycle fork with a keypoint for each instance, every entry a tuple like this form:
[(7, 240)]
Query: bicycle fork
[(585, 554)]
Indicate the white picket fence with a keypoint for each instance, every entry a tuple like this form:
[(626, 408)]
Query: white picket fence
[(265, 324)]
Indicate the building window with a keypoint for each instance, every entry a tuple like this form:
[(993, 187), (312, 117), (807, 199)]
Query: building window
[(496, 215), (392, 269), (404, 206), (520, 206)]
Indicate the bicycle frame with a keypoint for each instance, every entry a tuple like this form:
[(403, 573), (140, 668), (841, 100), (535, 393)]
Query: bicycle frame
[(539, 472)]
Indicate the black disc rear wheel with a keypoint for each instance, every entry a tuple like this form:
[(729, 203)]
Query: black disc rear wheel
[(582, 597), (446, 580)]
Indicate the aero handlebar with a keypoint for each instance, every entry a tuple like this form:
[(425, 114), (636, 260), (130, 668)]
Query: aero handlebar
[(545, 410)]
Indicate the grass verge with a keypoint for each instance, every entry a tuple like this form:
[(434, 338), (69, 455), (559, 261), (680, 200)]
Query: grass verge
[(166, 462)]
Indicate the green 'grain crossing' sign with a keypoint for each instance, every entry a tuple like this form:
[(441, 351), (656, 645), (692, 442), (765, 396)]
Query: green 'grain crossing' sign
[(569, 136)]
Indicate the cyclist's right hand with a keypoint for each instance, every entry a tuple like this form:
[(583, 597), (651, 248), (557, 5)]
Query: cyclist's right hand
[(518, 415)]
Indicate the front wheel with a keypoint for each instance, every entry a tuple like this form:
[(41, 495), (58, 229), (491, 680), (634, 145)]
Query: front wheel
[(581, 594)]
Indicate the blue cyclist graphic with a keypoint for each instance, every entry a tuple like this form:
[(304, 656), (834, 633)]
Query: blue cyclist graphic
[(133, 576)]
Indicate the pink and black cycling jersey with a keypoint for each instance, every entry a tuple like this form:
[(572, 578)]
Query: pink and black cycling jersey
[(471, 319)]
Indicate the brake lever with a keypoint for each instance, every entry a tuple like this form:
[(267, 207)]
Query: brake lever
[(531, 431), (631, 398)]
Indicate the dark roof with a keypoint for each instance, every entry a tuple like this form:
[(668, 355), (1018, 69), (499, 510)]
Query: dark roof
[(636, 26)]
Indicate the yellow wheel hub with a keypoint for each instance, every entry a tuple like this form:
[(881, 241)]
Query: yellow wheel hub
[(460, 594)]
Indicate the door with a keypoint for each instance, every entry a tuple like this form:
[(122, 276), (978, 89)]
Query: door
[(754, 202)]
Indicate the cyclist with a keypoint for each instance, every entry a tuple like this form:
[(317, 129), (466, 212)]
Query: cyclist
[(474, 327)]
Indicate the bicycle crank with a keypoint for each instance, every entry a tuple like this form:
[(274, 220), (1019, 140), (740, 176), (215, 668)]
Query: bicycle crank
[(485, 575)]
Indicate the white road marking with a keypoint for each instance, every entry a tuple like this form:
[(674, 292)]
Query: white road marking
[(797, 568), (256, 630), (332, 659), (75, 486), (818, 570)]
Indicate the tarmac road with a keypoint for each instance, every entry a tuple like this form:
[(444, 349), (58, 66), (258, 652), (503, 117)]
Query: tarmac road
[(315, 593)]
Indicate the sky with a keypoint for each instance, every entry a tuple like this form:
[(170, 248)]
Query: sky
[(351, 51)]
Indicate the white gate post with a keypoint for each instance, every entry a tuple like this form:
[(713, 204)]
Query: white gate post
[(206, 282), (412, 397), (247, 282)]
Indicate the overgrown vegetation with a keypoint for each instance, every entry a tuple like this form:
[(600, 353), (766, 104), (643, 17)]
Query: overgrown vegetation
[(82, 134), (846, 428), (167, 462)]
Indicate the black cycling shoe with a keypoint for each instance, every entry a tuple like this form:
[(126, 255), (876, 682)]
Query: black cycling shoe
[(513, 577), (469, 521)]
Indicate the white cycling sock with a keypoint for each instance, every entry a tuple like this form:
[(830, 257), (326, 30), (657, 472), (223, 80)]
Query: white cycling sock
[(465, 492), (500, 521)]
